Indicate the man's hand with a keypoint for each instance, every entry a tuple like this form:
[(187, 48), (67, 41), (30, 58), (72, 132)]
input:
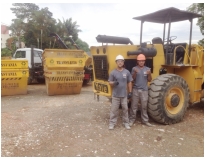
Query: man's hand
[(149, 76), (134, 74), (129, 95), (135, 69), (115, 83), (148, 72)]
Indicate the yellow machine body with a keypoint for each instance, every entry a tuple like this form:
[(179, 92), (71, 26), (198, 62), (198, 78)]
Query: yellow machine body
[(192, 70)]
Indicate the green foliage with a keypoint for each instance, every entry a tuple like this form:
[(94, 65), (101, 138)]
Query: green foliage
[(198, 8), (38, 28), (5, 52), (82, 45), (11, 44), (24, 10), (201, 42), (67, 28), (35, 25), (17, 28)]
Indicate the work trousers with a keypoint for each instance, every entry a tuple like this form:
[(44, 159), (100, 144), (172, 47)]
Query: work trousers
[(114, 111), (142, 96)]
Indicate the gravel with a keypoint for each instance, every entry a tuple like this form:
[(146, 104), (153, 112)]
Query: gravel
[(38, 125)]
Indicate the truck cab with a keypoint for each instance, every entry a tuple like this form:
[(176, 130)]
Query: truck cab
[(34, 57)]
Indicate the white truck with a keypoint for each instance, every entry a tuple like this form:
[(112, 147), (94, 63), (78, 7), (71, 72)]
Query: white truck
[(34, 57)]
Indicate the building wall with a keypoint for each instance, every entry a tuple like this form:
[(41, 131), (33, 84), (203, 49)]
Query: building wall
[(4, 35), (4, 29)]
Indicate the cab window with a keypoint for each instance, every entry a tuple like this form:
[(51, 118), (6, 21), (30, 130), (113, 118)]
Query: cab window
[(20, 54), (37, 54)]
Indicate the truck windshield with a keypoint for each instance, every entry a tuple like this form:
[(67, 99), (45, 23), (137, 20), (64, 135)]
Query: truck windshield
[(37, 54), (20, 54)]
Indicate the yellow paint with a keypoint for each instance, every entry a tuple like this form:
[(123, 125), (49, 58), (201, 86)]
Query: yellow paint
[(64, 70), (112, 51), (11, 73), (14, 64), (14, 77), (192, 71), (15, 86), (50, 73), (169, 107)]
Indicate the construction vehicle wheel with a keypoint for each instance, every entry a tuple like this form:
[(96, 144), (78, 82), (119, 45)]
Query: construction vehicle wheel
[(168, 98), (40, 80), (29, 81), (86, 81)]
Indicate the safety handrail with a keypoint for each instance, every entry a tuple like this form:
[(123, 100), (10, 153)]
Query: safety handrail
[(197, 51), (174, 62)]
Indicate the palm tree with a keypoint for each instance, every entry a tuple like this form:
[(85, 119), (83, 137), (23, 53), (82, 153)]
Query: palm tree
[(66, 29), (72, 28)]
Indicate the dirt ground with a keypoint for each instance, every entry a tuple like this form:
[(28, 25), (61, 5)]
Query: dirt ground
[(38, 125)]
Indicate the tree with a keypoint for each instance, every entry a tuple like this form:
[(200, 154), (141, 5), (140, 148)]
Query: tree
[(35, 25), (5, 52), (17, 28), (24, 10), (38, 28), (11, 44), (67, 29), (72, 28), (198, 8), (23, 13), (82, 45)]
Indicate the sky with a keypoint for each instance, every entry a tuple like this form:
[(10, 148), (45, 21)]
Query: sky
[(113, 18)]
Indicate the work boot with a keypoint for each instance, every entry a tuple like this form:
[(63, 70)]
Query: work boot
[(111, 127), (131, 124), (127, 126), (148, 124)]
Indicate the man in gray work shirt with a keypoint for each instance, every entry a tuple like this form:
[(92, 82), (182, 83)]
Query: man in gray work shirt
[(119, 79), (141, 75)]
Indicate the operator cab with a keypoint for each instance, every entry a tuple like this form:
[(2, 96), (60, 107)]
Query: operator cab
[(169, 49), (174, 52)]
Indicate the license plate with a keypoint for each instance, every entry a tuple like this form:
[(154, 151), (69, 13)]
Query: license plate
[(101, 87)]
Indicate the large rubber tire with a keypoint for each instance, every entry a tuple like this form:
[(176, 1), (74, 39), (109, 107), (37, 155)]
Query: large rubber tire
[(168, 98)]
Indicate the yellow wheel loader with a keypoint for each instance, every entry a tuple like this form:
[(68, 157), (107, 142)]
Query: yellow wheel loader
[(177, 68)]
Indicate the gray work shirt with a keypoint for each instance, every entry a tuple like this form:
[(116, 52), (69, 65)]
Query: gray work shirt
[(123, 77), (141, 78)]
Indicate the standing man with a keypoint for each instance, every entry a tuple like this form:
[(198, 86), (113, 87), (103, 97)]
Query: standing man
[(119, 79), (141, 76)]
